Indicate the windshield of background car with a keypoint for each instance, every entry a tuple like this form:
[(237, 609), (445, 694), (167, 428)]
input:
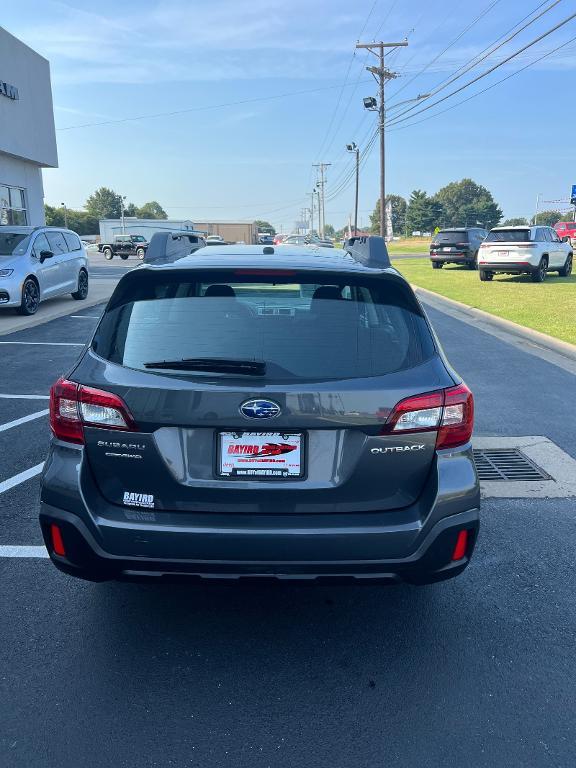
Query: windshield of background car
[(138, 239), (508, 236), (13, 243), (450, 236), (302, 326)]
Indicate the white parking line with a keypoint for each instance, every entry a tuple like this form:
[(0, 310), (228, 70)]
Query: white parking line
[(87, 317), (24, 397), (21, 477), (18, 551), (23, 420), (47, 343)]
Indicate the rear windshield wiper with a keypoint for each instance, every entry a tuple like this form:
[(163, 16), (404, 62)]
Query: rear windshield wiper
[(212, 364)]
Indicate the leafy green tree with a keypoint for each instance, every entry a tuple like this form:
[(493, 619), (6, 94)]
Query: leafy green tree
[(423, 212), (104, 204), (80, 222), (265, 226), (547, 218), (466, 204), (151, 210), (329, 230), (515, 222), (131, 210), (399, 208)]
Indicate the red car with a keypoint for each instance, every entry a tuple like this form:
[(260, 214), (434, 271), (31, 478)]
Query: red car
[(566, 229)]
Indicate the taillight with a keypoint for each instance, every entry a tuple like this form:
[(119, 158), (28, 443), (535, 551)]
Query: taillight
[(73, 406), (458, 417), (449, 411), (57, 541), (461, 546)]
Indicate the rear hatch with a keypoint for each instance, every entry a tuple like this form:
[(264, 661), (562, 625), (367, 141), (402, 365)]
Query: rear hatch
[(450, 242), (259, 391), (503, 245)]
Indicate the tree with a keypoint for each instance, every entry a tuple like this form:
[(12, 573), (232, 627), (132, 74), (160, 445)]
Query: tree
[(423, 212), (547, 218), (151, 210), (104, 204), (80, 222), (466, 204), (265, 226), (399, 208), (515, 222), (329, 230), (130, 210)]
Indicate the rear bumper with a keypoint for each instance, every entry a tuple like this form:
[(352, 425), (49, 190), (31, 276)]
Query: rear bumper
[(452, 257), (507, 266), (299, 554)]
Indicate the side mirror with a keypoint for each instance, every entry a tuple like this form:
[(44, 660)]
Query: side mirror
[(45, 255)]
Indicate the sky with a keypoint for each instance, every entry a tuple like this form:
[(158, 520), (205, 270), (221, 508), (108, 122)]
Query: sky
[(218, 110)]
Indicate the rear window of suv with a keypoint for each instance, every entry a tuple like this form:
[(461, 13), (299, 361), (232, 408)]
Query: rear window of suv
[(450, 236), (508, 236), (302, 327)]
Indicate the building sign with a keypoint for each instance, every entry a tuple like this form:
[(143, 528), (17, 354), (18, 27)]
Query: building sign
[(10, 91)]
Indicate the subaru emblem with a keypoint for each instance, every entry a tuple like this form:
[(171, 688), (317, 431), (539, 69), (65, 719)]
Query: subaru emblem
[(260, 409)]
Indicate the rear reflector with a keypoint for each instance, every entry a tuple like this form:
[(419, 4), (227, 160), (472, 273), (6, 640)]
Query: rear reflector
[(57, 542), (73, 406), (461, 546)]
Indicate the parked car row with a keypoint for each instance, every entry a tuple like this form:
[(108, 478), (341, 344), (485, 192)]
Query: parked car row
[(530, 250)]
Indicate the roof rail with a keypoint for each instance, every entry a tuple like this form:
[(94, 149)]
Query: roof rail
[(369, 251), (165, 247)]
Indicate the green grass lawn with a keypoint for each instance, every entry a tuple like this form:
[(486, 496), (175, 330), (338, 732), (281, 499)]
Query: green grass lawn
[(549, 307), (409, 245)]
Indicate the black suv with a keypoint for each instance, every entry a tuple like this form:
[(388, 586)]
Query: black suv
[(253, 411), (457, 246)]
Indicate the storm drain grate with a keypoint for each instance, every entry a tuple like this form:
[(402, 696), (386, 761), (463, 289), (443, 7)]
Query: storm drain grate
[(507, 464)]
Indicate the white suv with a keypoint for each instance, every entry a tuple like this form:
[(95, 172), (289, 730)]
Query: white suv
[(524, 250)]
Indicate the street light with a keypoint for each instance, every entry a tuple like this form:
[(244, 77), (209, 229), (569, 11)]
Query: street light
[(122, 212), (63, 205), (354, 148)]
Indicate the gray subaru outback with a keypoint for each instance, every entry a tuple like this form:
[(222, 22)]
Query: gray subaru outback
[(247, 411)]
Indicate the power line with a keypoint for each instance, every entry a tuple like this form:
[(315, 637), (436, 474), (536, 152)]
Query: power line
[(456, 39), (488, 88), (205, 108), (398, 118), (484, 54)]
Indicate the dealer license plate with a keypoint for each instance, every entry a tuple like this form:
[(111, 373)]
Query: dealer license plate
[(260, 454)]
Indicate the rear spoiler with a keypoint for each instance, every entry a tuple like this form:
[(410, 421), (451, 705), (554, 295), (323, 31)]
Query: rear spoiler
[(369, 251), (166, 247)]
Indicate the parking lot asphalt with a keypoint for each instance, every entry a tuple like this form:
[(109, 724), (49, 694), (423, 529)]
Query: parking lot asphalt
[(479, 671)]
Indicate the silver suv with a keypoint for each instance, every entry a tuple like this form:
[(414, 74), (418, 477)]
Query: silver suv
[(37, 263)]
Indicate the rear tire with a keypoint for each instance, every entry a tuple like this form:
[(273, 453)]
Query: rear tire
[(566, 270), (437, 264), (83, 286), (539, 274), (486, 276), (474, 263), (30, 297), (107, 253), (123, 256)]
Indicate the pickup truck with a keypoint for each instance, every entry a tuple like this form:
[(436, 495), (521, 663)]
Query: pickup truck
[(124, 246)]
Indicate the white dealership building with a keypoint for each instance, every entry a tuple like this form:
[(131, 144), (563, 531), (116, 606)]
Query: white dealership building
[(27, 135)]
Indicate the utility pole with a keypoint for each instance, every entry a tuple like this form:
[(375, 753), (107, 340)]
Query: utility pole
[(381, 75), (122, 213), (65, 214), (353, 148), (311, 210), (321, 220)]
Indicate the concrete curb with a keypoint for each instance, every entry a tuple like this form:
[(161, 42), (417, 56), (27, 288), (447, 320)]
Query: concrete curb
[(486, 321), (100, 292)]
